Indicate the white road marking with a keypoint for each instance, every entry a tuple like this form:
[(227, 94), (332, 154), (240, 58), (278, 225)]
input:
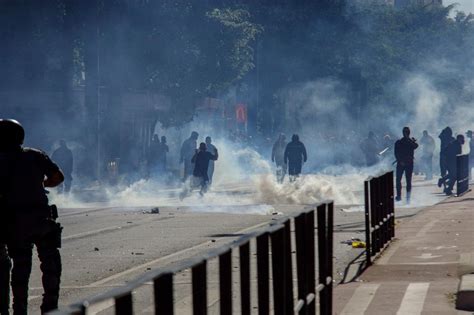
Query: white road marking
[(111, 228), (155, 261), (414, 299), (428, 226), (441, 247), (427, 256), (360, 300), (427, 263)]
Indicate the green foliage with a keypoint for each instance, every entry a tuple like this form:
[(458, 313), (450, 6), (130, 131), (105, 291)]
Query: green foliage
[(370, 47)]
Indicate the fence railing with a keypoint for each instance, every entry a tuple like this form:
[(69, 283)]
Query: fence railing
[(277, 238), (379, 214), (463, 170)]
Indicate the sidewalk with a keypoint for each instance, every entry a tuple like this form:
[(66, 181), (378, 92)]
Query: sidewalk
[(418, 273)]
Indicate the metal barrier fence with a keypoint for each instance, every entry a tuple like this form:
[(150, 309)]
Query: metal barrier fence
[(279, 237), (379, 214), (463, 169)]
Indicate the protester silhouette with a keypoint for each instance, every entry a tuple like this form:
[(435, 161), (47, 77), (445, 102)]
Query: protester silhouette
[(427, 149), (186, 154), (405, 156), (278, 157), (295, 155)]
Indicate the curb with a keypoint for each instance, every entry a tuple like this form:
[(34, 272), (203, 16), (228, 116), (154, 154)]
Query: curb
[(466, 264), (465, 297)]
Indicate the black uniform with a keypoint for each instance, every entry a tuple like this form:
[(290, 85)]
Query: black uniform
[(154, 154), (187, 151), (295, 155), (30, 223), (452, 150), (404, 153), (201, 166), (5, 262), (5, 266), (446, 137)]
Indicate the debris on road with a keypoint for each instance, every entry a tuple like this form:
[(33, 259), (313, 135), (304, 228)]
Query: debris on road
[(154, 210), (355, 243)]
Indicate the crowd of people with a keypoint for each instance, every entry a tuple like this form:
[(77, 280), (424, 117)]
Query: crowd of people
[(27, 218), (198, 164), (288, 157)]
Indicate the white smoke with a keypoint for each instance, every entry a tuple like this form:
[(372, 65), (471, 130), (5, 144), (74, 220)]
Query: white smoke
[(244, 181)]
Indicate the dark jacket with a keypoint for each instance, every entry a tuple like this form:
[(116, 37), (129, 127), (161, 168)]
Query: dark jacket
[(446, 137), (452, 150), (295, 152), (187, 149), (201, 163), (405, 151), (24, 170)]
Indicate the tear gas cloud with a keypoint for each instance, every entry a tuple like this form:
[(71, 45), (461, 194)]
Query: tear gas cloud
[(326, 112), (319, 113)]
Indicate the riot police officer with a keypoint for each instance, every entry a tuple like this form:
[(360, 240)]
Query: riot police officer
[(5, 266), (26, 173)]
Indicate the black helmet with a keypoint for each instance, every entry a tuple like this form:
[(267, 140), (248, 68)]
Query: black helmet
[(11, 133)]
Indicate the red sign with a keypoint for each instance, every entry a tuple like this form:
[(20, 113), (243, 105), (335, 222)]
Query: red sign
[(241, 113)]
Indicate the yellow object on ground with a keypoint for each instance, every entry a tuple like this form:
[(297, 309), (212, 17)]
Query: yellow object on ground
[(358, 244)]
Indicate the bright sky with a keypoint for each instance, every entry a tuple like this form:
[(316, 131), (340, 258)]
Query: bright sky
[(464, 5)]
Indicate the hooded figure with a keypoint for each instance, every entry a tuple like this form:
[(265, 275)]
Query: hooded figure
[(452, 151), (370, 149), (63, 156), (187, 151), (471, 151), (201, 160), (446, 137), (278, 156), (164, 150), (295, 155), (213, 150)]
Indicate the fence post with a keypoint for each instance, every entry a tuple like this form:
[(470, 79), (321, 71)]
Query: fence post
[(368, 243), (263, 275), (225, 282), (124, 304), (244, 251), (310, 261), (392, 206), (278, 270), (373, 217), (329, 237), (288, 269), (322, 253), (380, 212), (163, 293), (301, 267), (199, 284), (383, 209)]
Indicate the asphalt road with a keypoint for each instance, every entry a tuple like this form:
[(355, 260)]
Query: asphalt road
[(106, 246)]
